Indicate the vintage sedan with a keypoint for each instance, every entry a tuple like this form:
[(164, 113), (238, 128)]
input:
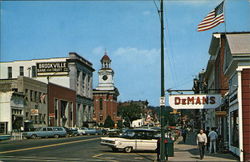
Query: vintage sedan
[(133, 139), (46, 132), (89, 131)]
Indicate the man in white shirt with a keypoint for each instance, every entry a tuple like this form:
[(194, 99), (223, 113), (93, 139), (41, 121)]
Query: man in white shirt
[(213, 137), (201, 142)]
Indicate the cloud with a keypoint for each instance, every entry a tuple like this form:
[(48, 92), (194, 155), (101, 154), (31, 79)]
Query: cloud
[(98, 50), (146, 13), (135, 55)]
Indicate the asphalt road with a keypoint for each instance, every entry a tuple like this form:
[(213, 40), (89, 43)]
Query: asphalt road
[(73, 149)]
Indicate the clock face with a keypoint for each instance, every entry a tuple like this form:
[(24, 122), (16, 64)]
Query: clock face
[(105, 77)]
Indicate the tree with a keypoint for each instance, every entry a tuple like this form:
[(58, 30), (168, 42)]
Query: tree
[(129, 113), (119, 124), (109, 123)]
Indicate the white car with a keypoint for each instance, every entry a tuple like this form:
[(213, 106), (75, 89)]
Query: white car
[(133, 139)]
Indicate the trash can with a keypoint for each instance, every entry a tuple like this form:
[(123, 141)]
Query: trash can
[(169, 147)]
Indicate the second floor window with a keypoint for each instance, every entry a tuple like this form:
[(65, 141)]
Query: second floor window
[(34, 71), (21, 70), (9, 72)]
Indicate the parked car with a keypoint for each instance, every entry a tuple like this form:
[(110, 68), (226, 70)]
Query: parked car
[(114, 132), (89, 131), (46, 132), (74, 131), (133, 139)]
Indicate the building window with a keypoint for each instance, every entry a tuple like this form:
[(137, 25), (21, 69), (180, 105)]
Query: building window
[(40, 97), (234, 127), (9, 72), (44, 118), (101, 118), (31, 95), (71, 115), (35, 96), (101, 106), (56, 108), (21, 71), (34, 71)]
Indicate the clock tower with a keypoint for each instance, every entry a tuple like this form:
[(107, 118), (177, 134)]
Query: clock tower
[(105, 95), (106, 74)]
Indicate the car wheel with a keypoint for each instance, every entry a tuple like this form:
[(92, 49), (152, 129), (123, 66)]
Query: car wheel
[(33, 136), (56, 136), (128, 149)]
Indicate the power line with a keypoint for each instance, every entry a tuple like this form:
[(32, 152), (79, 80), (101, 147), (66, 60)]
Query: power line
[(158, 10)]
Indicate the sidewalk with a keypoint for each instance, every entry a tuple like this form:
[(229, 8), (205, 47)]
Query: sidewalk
[(190, 152)]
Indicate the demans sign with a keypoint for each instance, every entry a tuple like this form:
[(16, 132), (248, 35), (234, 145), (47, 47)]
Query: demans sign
[(208, 101)]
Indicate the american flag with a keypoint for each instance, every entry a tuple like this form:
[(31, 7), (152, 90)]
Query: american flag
[(214, 18)]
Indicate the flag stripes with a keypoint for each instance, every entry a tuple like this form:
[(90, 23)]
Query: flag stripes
[(214, 18)]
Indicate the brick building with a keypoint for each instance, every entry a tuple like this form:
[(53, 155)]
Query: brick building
[(62, 108), (105, 95)]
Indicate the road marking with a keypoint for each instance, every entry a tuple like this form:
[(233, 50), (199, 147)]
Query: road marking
[(35, 158), (98, 156), (52, 145), (139, 153)]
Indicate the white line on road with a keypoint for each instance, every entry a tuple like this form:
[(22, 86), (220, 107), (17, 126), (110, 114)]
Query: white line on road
[(52, 145)]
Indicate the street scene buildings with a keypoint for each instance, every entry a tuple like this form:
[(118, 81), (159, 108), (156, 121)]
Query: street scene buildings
[(228, 74), (59, 92), (85, 104), (40, 82)]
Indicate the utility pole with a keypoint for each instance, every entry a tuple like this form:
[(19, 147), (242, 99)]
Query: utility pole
[(162, 105)]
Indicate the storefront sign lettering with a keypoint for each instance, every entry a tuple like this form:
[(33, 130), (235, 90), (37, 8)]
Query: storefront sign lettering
[(194, 101), (47, 67)]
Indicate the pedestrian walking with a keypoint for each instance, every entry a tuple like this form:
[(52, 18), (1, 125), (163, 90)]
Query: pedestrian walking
[(201, 142), (208, 139), (184, 134), (213, 138)]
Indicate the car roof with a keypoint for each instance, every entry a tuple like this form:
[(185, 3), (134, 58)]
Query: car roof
[(142, 130)]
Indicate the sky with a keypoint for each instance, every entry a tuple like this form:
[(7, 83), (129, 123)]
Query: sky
[(129, 30)]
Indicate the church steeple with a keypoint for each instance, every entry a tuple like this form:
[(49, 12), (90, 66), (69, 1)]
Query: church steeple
[(105, 61)]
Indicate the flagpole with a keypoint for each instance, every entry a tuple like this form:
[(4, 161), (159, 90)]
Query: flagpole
[(224, 7)]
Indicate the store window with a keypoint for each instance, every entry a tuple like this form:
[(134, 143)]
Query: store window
[(234, 127), (3, 127)]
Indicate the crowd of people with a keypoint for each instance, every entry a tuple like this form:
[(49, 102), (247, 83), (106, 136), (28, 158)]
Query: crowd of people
[(206, 140)]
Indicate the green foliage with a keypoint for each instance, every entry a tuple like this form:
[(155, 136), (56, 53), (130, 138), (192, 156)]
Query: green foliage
[(109, 123), (129, 113), (119, 124)]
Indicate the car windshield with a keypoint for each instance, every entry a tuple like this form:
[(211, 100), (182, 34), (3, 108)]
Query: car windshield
[(140, 134)]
